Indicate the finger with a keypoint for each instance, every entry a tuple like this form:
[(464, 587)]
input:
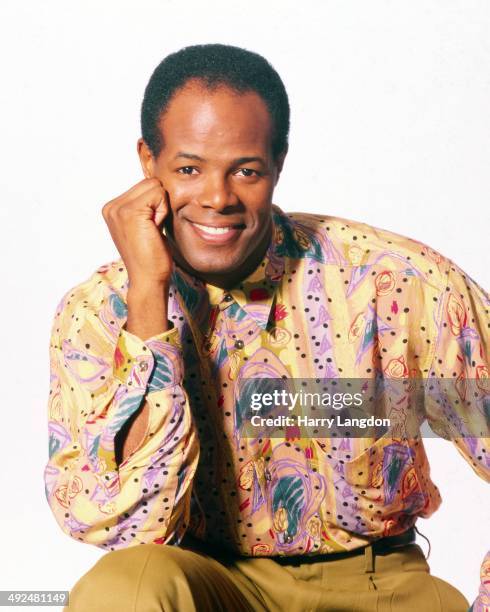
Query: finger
[(142, 188), (152, 200), (161, 210)]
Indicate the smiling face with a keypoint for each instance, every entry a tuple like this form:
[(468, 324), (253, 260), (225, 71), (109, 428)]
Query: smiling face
[(217, 166)]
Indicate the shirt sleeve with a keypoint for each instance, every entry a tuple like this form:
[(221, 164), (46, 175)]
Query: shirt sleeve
[(482, 602), (147, 498), (458, 390), (458, 397)]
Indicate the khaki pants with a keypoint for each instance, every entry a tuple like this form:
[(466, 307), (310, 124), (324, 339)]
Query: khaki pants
[(152, 578)]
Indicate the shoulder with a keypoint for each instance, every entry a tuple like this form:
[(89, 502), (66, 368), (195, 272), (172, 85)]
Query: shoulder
[(349, 243), (109, 278), (100, 296)]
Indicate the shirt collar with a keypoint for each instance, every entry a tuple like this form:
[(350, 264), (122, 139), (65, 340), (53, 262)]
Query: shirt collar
[(255, 294)]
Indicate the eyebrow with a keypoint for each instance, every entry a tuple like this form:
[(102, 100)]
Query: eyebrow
[(235, 162)]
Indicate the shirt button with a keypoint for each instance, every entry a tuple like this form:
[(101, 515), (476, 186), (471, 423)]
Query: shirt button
[(228, 297), (239, 344)]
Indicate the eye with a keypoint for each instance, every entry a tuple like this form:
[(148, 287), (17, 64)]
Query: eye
[(186, 170), (249, 172)]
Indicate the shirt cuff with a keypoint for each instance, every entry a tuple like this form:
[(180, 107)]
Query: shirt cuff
[(155, 363)]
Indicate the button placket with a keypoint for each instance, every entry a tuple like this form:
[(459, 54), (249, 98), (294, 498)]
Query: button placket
[(226, 302), (240, 329)]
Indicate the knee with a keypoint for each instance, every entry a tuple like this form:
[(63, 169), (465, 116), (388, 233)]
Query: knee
[(113, 583)]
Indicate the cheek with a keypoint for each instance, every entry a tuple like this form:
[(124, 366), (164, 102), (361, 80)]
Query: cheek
[(179, 191), (257, 200)]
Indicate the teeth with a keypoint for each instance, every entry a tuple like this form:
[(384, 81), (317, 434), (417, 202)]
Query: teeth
[(213, 230)]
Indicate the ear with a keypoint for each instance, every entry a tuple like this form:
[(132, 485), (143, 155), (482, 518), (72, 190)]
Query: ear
[(146, 159), (279, 163)]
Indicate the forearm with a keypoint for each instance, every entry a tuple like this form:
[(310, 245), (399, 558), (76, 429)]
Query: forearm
[(115, 509), (94, 497), (147, 317), (147, 310)]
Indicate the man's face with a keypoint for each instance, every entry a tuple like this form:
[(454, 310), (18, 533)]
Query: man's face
[(217, 166)]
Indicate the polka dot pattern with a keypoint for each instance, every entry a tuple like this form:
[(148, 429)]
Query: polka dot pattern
[(332, 298)]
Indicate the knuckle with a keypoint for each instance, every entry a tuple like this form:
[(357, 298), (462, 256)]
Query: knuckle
[(156, 184), (124, 212), (106, 210)]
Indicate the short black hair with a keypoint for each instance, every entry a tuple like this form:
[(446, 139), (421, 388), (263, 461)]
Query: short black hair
[(215, 64)]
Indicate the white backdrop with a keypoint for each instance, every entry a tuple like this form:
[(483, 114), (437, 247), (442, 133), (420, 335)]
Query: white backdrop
[(390, 125)]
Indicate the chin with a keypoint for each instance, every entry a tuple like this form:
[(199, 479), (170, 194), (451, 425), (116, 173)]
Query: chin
[(214, 264), (214, 267)]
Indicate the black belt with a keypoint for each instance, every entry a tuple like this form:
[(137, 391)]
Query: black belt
[(382, 546)]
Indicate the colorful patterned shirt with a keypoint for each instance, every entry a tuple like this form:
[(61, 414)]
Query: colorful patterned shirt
[(332, 298)]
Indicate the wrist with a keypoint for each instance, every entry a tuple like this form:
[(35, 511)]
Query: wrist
[(147, 288), (147, 309)]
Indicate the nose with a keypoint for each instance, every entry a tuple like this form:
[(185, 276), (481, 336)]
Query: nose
[(217, 194)]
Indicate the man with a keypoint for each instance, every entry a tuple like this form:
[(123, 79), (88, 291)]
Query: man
[(149, 459)]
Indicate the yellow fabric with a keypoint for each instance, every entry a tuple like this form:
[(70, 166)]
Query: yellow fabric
[(332, 298)]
